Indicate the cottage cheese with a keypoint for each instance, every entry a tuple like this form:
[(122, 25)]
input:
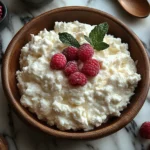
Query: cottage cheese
[(46, 92)]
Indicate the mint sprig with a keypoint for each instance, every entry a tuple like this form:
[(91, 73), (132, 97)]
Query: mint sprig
[(68, 39), (88, 39), (101, 46), (96, 36)]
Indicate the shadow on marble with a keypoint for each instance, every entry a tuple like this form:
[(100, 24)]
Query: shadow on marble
[(16, 6)]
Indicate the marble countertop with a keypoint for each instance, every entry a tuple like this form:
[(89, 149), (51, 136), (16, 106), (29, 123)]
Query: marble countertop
[(22, 137)]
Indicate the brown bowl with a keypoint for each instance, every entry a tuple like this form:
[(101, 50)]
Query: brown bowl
[(85, 15)]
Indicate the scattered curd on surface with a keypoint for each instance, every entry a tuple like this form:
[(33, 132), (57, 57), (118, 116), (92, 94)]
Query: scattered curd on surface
[(48, 94)]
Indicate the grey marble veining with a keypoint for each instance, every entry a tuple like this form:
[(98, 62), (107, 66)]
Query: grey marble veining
[(22, 137)]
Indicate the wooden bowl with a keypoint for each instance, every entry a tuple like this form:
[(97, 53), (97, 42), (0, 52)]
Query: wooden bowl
[(85, 15)]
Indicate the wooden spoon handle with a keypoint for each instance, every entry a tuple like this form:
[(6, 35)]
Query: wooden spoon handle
[(3, 144)]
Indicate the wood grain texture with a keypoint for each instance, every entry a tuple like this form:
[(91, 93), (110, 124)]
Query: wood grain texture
[(137, 8), (85, 15), (3, 144)]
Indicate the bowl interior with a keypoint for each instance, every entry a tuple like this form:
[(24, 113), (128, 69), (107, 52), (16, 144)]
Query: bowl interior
[(84, 15)]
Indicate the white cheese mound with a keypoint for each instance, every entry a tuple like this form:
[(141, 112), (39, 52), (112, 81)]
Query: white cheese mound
[(48, 94)]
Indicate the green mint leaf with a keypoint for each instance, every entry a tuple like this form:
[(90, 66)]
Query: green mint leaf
[(88, 39), (101, 46), (68, 39), (98, 33)]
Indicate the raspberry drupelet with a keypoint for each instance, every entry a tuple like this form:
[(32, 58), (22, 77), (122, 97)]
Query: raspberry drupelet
[(91, 67), (71, 53), (70, 68), (58, 61), (77, 78), (85, 52)]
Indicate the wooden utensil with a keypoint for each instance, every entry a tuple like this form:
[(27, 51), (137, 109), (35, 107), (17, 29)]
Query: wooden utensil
[(3, 144), (137, 8)]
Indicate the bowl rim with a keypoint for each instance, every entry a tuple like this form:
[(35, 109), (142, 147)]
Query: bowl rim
[(93, 134)]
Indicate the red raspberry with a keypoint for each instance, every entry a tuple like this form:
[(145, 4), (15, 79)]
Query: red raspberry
[(91, 67), (58, 61), (77, 78), (85, 52), (71, 53), (145, 130), (1, 12), (70, 68)]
